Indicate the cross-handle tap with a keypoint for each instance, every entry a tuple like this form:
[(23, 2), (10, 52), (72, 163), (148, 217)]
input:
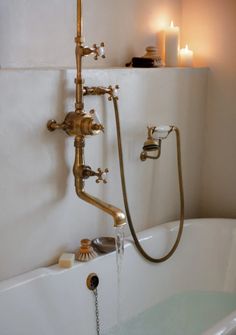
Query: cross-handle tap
[(86, 172), (97, 50), (101, 176)]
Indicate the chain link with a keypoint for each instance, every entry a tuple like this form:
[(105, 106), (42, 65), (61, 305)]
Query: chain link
[(95, 292)]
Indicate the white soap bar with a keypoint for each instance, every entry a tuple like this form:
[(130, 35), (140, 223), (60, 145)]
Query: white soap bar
[(66, 260)]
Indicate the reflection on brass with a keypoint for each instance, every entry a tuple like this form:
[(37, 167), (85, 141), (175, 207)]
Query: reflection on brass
[(80, 124)]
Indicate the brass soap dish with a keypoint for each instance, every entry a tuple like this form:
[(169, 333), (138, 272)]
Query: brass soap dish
[(104, 245)]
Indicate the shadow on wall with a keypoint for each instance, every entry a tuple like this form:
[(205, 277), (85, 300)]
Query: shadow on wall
[(57, 179)]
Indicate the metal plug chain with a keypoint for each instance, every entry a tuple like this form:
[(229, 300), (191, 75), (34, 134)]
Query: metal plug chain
[(95, 292)]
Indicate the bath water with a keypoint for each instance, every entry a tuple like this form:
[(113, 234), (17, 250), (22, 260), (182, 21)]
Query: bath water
[(189, 313)]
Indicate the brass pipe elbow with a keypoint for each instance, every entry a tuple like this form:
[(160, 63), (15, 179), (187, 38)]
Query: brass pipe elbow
[(117, 214)]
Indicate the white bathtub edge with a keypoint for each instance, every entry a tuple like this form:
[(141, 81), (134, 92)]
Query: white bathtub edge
[(224, 327)]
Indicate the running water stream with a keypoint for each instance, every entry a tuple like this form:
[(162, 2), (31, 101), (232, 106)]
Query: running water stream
[(120, 237)]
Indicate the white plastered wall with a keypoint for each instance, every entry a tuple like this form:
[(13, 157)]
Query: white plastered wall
[(209, 26)]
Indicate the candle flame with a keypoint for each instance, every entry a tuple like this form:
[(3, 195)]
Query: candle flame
[(159, 23), (172, 24), (186, 47)]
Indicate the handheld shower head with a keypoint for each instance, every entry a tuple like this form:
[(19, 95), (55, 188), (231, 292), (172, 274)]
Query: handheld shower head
[(153, 142), (151, 145)]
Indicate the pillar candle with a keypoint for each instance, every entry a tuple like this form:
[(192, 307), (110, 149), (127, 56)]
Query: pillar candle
[(171, 45), (186, 57)]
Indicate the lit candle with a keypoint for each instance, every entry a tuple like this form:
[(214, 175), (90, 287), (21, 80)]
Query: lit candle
[(186, 57), (171, 45)]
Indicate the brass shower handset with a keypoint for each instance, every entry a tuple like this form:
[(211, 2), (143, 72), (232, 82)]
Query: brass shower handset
[(154, 140)]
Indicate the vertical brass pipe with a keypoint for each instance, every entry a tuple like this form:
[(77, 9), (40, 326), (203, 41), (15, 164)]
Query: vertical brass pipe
[(79, 104), (79, 162), (79, 19)]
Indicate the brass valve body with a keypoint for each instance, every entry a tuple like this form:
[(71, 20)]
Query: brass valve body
[(77, 124)]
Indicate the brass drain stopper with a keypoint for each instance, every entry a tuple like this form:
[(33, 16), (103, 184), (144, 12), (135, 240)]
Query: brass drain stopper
[(92, 281), (85, 252)]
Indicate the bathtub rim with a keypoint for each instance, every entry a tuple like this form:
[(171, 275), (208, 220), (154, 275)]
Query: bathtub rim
[(144, 235)]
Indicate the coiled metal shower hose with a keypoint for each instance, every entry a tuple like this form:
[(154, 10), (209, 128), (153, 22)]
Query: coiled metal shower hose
[(125, 197)]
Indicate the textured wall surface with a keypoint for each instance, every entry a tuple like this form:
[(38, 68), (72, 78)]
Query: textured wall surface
[(210, 26), (40, 214)]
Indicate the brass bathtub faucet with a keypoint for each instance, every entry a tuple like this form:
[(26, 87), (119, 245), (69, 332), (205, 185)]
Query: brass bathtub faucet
[(80, 124)]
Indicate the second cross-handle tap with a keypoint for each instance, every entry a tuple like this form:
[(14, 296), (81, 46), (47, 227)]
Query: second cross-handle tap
[(101, 176), (96, 50), (86, 172)]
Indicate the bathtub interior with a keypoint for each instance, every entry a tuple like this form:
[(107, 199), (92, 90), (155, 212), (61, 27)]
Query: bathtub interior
[(55, 301), (188, 313)]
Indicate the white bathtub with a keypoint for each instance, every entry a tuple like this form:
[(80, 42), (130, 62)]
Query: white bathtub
[(51, 301)]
